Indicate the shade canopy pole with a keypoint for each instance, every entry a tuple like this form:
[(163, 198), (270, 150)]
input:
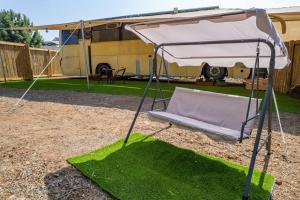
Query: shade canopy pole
[(85, 54)]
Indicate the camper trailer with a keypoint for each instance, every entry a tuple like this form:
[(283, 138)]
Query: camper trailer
[(111, 46)]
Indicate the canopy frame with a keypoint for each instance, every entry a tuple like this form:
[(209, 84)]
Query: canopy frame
[(266, 106), (248, 24)]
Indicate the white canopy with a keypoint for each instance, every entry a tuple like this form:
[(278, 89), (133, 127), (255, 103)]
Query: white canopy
[(245, 24)]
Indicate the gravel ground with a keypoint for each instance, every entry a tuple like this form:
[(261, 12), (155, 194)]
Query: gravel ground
[(50, 126)]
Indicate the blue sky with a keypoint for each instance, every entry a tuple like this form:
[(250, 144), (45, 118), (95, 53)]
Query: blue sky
[(53, 11)]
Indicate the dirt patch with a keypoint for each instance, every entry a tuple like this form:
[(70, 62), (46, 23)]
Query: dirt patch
[(51, 126)]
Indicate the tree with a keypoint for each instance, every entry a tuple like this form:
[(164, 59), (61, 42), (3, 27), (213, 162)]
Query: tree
[(11, 19), (36, 39)]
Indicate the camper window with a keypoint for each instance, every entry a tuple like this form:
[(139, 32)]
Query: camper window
[(65, 35), (105, 33)]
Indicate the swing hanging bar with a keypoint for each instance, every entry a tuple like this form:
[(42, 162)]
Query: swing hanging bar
[(158, 86), (254, 72), (162, 99)]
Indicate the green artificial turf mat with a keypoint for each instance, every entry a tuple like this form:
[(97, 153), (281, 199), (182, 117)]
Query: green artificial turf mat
[(147, 168)]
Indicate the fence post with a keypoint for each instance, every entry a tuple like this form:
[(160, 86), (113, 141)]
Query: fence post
[(27, 67), (283, 77), (3, 67), (51, 64)]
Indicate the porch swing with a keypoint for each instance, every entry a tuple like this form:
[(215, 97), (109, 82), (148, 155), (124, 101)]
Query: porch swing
[(200, 110), (224, 39)]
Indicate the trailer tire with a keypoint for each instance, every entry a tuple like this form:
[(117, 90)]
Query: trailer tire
[(216, 73), (103, 69)]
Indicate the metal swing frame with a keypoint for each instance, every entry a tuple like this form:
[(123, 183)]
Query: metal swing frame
[(265, 108)]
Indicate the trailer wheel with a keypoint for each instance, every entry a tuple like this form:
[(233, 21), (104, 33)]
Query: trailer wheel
[(216, 73), (103, 69)]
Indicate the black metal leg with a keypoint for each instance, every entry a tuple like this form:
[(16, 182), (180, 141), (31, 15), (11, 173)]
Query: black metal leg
[(267, 99), (139, 108), (255, 149), (154, 71)]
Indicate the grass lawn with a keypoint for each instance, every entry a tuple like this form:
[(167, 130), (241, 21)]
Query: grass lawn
[(147, 168), (136, 88)]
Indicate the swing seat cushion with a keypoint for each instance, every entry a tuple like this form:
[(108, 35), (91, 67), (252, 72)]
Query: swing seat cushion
[(218, 114)]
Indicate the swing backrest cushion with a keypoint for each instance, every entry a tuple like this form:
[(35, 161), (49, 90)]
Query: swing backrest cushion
[(222, 110)]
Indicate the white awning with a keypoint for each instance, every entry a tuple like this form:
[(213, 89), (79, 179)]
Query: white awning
[(246, 24)]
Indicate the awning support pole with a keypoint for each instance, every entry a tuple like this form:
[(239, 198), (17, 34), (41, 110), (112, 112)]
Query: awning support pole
[(85, 54)]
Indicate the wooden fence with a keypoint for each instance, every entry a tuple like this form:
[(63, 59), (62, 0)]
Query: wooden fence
[(19, 61), (290, 75), (40, 58)]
